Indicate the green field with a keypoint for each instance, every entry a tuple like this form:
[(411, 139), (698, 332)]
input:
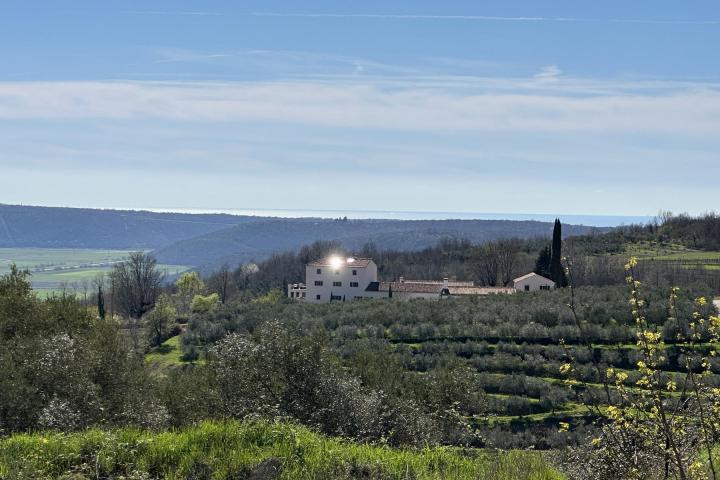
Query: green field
[(233, 450), (67, 269), (669, 251)]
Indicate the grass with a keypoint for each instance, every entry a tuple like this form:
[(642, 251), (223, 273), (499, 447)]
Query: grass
[(49, 258), (226, 450), (55, 270), (166, 355), (671, 252), (568, 411)]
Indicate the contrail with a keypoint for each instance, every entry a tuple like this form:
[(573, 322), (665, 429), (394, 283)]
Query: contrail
[(416, 17), (485, 18), (158, 12)]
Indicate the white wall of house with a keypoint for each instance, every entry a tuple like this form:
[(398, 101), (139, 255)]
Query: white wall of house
[(296, 291), (415, 295), (532, 283), (346, 280)]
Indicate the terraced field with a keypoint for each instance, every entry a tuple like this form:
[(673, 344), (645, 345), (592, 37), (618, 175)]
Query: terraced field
[(514, 344)]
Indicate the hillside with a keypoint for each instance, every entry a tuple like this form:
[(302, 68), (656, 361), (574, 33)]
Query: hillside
[(57, 227), (258, 240)]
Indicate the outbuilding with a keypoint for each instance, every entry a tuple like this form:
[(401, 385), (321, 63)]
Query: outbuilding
[(532, 282)]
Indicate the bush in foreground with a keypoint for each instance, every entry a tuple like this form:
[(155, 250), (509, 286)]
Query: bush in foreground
[(238, 450)]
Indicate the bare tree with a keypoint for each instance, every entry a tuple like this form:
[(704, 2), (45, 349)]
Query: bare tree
[(221, 283), (136, 285), (85, 285), (487, 265), (507, 257)]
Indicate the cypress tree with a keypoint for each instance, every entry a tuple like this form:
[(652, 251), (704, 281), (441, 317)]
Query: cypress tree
[(557, 273), (101, 303)]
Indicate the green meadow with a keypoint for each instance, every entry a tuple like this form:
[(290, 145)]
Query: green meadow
[(234, 450), (56, 270)]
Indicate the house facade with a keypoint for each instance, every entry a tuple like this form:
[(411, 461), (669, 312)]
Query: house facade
[(532, 282), (337, 278)]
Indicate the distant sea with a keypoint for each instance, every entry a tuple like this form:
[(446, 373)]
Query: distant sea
[(590, 220)]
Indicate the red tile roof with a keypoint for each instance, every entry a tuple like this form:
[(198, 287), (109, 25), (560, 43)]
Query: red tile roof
[(435, 287)]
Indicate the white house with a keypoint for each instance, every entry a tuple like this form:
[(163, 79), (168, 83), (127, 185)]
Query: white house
[(532, 282), (337, 278)]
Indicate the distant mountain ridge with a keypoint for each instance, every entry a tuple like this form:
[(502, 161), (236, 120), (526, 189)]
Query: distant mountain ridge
[(206, 241), (60, 227), (258, 240)]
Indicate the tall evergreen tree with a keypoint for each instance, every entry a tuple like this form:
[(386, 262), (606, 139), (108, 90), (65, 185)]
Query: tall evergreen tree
[(557, 273), (101, 303), (542, 264)]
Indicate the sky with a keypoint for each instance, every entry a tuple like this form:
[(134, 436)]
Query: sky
[(576, 107)]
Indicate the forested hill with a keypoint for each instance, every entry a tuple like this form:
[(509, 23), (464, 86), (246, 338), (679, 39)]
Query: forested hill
[(209, 240), (57, 227), (258, 240)]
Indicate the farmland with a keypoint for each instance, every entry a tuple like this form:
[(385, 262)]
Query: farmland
[(66, 269)]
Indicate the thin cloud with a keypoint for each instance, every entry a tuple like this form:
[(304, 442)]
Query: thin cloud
[(326, 105), (415, 17), (549, 73), (170, 13), (486, 18)]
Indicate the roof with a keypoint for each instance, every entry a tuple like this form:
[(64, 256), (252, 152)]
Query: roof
[(530, 275), (341, 262), (434, 287), (480, 290), (437, 282)]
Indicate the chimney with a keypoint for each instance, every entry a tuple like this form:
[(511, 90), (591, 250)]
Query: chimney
[(402, 279)]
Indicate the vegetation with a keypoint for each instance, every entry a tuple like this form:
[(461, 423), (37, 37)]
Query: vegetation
[(667, 426), (230, 353), (233, 450)]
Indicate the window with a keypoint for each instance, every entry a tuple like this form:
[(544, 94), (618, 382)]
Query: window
[(302, 294), (318, 271), (358, 297), (317, 297), (527, 288), (337, 284), (318, 283), (354, 284), (354, 272), (544, 287), (336, 297)]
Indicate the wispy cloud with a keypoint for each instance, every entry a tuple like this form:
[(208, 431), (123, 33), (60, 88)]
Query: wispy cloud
[(549, 73), (687, 111), (172, 13), (485, 18), (415, 17)]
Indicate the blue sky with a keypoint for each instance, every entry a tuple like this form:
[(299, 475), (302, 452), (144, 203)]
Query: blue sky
[(507, 106)]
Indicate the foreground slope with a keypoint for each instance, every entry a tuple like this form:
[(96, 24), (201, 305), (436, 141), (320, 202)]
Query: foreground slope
[(234, 450)]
